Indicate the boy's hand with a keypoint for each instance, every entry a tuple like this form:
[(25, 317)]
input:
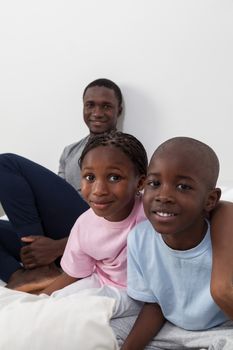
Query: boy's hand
[(40, 251)]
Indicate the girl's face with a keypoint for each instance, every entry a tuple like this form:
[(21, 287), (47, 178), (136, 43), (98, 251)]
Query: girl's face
[(109, 182)]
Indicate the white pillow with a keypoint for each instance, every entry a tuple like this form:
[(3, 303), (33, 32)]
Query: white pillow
[(75, 322)]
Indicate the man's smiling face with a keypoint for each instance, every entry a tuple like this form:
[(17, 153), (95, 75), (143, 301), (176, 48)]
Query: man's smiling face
[(101, 109)]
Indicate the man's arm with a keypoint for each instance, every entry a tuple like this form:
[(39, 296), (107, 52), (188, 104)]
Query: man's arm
[(222, 269), (41, 251), (147, 325)]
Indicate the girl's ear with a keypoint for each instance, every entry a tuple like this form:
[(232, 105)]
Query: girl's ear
[(212, 199), (141, 181)]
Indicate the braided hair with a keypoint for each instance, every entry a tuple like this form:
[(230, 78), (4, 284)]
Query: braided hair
[(127, 143)]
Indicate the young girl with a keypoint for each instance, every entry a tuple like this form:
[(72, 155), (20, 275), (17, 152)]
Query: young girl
[(113, 168)]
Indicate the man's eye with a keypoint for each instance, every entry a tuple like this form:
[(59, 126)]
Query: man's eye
[(184, 187), (114, 178), (106, 107), (89, 178)]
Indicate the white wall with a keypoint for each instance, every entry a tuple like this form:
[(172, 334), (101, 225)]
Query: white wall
[(172, 59)]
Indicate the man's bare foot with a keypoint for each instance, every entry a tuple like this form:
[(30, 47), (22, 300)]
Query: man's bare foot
[(35, 280)]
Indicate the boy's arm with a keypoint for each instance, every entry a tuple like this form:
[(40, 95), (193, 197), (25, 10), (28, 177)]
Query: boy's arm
[(222, 269), (60, 282), (147, 325)]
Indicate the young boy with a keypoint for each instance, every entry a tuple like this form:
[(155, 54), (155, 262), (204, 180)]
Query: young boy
[(170, 256)]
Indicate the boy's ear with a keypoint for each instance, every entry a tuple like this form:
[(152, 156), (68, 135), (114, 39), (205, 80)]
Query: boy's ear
[(141, 181), (212, 200)]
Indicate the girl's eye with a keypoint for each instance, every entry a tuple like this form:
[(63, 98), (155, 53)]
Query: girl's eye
[(89, 177), (184, 187), (114, 178), (153, 183)]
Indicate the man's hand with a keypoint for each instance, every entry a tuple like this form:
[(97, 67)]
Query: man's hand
[(40, 251)]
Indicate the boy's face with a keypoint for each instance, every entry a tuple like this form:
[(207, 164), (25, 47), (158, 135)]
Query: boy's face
[(176, 198), (100, 109), (109, 182)]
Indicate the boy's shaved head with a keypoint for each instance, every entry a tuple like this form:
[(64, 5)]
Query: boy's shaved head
[(202, 157)]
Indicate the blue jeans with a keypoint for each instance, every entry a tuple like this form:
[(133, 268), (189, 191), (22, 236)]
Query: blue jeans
[(37, 202)]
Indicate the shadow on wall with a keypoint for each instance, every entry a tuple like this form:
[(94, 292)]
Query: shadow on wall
[(120, 121), (141, 117)]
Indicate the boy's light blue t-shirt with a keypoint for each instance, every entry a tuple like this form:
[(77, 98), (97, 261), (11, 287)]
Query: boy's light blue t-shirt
[(179, 281)]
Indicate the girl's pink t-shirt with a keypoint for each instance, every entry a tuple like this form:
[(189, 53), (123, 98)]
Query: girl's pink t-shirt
[(97, 245)]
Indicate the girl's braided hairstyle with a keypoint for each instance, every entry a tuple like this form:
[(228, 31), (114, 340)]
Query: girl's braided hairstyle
[(127, 143)]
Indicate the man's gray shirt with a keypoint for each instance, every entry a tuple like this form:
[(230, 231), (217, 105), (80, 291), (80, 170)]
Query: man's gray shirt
[(68, 166)]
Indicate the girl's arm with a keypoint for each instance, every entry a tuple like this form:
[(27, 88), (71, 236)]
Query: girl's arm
[(60, 282), (222, 269), (147, 325)]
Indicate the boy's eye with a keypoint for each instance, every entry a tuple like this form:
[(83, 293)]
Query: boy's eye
[(184, 187), (89, 177), (114, 178)]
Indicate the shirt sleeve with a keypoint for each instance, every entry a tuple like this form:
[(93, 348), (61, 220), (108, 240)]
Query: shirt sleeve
[(137, 286), (62, 164), (75, 262)]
